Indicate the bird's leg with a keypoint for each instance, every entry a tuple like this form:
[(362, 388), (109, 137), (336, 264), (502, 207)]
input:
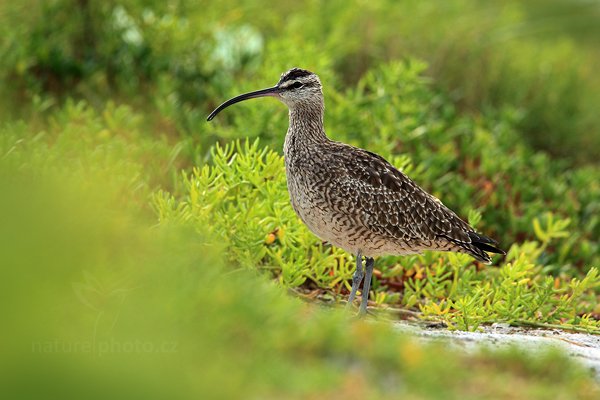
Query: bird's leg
[(356, 279), (369, 262)]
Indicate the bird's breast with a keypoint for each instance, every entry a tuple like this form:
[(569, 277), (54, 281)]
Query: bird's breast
[(309, 195)]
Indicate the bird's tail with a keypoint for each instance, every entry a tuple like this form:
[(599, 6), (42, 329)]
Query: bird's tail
[(481, 245)]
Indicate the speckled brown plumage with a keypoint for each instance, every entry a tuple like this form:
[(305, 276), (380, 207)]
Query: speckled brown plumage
[(357, 200), (354, 198)]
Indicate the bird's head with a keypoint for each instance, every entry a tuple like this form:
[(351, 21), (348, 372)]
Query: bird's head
[(296, 88)]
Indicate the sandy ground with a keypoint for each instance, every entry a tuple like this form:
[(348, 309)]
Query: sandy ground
[(582, 347)]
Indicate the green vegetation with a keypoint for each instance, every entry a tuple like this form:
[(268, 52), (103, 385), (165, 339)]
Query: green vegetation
[(149, 253), (536, 57), (241, 200), (100, 304)]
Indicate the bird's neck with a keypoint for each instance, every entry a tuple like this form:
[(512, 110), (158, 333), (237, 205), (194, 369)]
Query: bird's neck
[(306, 125)]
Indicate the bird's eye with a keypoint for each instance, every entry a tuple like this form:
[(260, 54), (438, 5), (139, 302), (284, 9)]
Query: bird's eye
[(297, 85)]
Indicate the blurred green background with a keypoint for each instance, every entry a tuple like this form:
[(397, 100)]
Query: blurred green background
[(129, 273)]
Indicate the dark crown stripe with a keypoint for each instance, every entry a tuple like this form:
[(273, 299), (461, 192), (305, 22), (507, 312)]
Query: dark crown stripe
[(294, 73)]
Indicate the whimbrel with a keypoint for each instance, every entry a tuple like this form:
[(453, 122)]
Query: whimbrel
[(354, 198)]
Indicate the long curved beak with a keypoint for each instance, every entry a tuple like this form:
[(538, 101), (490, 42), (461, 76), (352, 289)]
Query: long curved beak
[(272, 91)]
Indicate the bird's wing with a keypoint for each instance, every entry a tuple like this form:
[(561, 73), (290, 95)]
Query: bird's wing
[(392, 204)]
